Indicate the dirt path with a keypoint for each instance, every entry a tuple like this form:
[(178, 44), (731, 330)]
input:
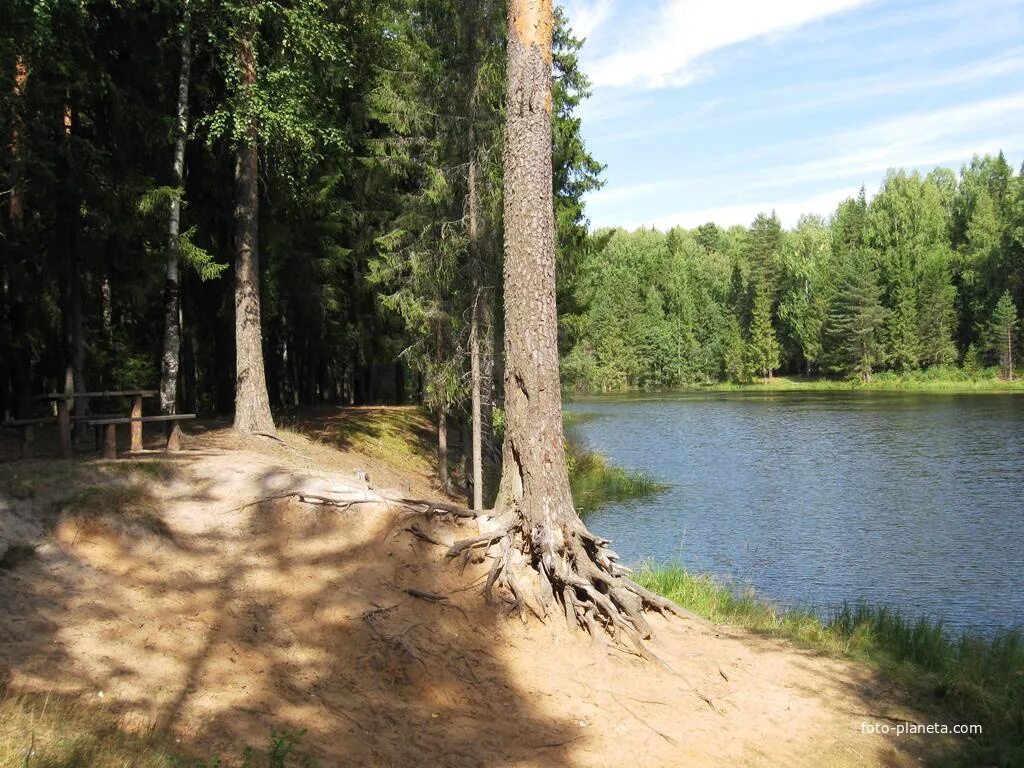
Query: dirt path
[(235, 620)]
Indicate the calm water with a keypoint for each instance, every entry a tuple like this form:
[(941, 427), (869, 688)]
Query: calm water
[(912, 500)]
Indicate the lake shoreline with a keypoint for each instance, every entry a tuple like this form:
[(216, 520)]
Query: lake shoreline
[(967, 677), (880, 383), (970, 679)]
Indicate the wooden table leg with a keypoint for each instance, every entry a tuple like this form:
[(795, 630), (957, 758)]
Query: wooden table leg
[(174, 437), (27, 440), (136, 425), (110, 441), (64, 425)]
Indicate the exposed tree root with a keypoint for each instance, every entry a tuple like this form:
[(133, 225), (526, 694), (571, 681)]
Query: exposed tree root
[(536, 569), (424, 507), (539, 568)]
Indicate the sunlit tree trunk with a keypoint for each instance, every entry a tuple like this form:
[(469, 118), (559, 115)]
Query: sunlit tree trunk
[(252, 403), (546, 554), (475, 266), (169, 364), (534, 476)]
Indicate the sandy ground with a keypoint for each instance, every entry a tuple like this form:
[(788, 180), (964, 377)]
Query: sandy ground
[(238, 620)]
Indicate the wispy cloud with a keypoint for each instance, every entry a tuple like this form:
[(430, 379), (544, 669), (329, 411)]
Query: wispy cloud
[(912, 140), (843, 159), (788, 211), (588, 15), (667, 51)]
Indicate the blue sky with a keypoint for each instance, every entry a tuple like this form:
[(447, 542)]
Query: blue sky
[(714, 110)]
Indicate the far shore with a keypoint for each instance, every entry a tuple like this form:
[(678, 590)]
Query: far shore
[(887, 382)]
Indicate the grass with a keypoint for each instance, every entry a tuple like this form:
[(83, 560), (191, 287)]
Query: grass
[(131, 504), (594, 481), (972, 679), (57, 732), (403, 436), (51, 731), (936, 379), (26, 480)]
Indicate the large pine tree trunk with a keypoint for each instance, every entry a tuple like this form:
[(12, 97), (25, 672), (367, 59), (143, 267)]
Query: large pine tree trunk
[(546, 553), (534, 476), (252, 404), (169, 364)]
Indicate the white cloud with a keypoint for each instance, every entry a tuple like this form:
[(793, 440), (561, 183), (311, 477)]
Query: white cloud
[(684, 30), (911, 140), (784, 176), (587, 15), (788, 211), (860, 154)]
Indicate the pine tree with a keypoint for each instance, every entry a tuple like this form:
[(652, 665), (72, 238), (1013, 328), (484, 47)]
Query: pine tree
[(547, 553)]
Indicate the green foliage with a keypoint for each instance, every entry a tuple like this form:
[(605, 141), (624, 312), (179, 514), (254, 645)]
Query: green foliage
[(853, 330), (1003, 333), (904, 283), (763, 348)]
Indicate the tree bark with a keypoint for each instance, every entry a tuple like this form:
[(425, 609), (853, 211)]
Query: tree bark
[(475, 265), (252, 403), (68, 228), (534, 476), (442, 445), (169, 362), (20, 359), (545, 554)]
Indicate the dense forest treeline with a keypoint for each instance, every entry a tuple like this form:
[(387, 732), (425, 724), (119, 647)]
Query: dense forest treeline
[(929, 273), (184, 177)]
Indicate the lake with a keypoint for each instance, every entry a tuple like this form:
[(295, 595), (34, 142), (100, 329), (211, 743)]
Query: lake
[(905, 499)]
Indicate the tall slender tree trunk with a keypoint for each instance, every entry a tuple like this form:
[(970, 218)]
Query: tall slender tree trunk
[(475, 265), (442, 444), (546, 553), (252, 403), (170, 360), (68, 226), (20, 359)]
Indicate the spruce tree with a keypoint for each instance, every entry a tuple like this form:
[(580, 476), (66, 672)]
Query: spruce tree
[(853, 329), (763, 347), (1003, 333)]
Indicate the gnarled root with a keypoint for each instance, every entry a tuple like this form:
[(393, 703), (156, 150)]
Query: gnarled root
[(539, 569)]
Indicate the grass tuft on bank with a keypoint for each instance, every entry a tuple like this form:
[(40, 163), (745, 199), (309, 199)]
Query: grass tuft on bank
[(972, 679), (594, 481)]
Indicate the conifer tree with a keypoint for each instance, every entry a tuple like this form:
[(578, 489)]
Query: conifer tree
[(1003, 332)]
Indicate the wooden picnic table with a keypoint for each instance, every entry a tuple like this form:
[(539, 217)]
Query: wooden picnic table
[(65, 399)]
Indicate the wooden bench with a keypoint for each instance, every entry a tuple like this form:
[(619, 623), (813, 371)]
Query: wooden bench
[(64, 401), (28, 436), (97, 430), (110, 431)]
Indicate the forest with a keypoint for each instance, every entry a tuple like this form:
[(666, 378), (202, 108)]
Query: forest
[(928, 275), (265, 205), (316, 185)]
